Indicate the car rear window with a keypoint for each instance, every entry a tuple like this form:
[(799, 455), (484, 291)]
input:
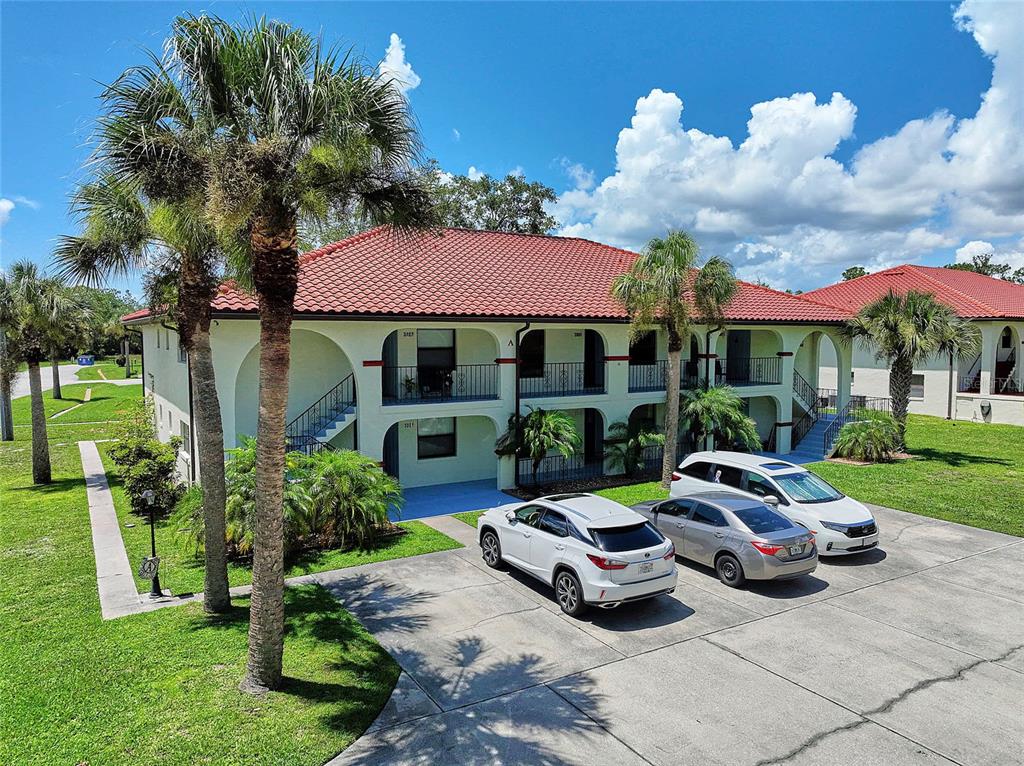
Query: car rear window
[(760, 519), (631, 538)]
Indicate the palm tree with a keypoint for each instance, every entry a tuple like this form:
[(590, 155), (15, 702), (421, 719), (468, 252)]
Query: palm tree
[(907, 330), (625, 449), (717, 412), (663, 288), (72, 332), (124, 230), (288, 132), (37, 306), (538, 434)]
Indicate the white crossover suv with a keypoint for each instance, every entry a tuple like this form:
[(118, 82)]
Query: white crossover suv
[(591, 550), (841, 525)]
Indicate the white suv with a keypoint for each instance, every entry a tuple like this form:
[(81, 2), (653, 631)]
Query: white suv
[(841, 524), (590, 549)]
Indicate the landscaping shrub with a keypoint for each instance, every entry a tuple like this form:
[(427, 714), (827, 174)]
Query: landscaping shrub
[(625, 450), (334, 499), (143, 461), (874, 438)]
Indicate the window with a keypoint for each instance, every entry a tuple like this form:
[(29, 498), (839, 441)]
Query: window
[(644, 350), (727, 475), (631, 538), (435, 348), (182, 357), (186, 438), (158, 337), (531, 355), (675, 507), (435, 437), (1006, 338), (555, 524), (697, 470), (170, 422), (805, 487), (705, 514), (761, 520), (917, 386), (529, 515), (760, 486)]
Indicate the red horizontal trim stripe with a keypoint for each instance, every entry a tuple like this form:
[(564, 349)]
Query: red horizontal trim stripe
[(373, 363), (505, 360), (617, 358), (783, 353)]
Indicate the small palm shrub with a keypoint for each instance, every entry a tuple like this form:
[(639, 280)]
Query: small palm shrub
[(874, 438), (625, 450), (334, 499)]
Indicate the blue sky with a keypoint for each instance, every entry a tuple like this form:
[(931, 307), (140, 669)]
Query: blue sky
[(892, 169)]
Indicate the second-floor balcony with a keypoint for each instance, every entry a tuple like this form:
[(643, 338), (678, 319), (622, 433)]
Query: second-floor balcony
[(562, 379), (428, 384), (750, 371), (652, 376)]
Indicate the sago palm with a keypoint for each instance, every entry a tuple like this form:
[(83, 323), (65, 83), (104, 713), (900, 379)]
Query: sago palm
[(907, 330), (35, 307), (290, 132), (664, 288), (538, 434), (124, 230), (717, 412)]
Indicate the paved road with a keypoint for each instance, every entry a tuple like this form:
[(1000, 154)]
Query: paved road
[(910, 654)]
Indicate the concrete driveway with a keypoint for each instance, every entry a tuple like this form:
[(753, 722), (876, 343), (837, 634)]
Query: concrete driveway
[(910, 654)]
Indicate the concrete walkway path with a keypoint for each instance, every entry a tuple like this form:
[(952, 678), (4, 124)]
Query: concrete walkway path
[(114, 578)]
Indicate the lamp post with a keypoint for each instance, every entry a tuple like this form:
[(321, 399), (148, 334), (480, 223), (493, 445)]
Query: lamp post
[(154, 592)]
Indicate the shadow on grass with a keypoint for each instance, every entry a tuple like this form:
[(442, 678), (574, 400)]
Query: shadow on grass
[(958, 459), (55, 486)]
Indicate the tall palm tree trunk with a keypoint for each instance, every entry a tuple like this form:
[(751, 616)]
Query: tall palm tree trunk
[(668, 459), (6, 415), (55, 368), (40, 446), (900, 378), (210, 445), (275, 277)]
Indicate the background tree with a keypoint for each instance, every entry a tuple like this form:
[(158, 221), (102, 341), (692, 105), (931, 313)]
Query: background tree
[(664, 289), (538, 434), (853, 272), (982, 263), (124, 229), (65, 339), (716, 412), (510, 204), (905, 331), (36, 307), (289, 132)]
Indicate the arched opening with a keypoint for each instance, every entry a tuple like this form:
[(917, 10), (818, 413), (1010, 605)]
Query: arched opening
[(765, 412), (752, 357), (318, 366), (561, 362), (1007, 377), (588, 462), (439, 365), (447, 450)]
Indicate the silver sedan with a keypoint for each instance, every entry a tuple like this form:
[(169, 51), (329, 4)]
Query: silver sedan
[(742, 538)]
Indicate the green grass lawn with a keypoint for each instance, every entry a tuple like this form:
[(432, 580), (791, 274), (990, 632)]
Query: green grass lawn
[(109, 368), (106, 402), (158, 687), (469, 517), (970, 473)]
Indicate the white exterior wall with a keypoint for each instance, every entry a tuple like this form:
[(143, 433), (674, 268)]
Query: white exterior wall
[(166, 381), (326, 351), (871, 378)]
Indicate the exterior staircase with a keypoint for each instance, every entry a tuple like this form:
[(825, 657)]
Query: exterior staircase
[(327, 417)]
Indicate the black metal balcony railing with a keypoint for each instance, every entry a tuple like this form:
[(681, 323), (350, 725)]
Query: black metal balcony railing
[(1005, 386), (555, 468), (753, 370), (652, 455), (564, 379), (419, 385), (648, 377), (325, 411)]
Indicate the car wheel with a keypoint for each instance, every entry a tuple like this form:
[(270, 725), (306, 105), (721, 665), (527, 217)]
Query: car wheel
[(729, 570), (491, 550), (569, 594)]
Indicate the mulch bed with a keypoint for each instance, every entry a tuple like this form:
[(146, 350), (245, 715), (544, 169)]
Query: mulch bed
[(530, 492), (848, 461)]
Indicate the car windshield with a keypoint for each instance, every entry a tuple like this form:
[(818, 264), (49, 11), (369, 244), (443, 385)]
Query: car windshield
[(631, 538), (805, 487), (761, 519)]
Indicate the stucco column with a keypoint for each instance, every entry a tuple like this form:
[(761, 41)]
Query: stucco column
[(616, 354), (844, 366), (784, 424), (706, 371), (989, 341)]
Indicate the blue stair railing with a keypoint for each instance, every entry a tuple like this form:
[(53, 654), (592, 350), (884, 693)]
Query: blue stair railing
[(302, 432)]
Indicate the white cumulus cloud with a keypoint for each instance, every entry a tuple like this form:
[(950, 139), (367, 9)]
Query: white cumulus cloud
[(397, 68), (785, 210), (6, 206)]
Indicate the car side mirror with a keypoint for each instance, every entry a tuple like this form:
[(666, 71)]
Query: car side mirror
[(771, 500), (511, 516)]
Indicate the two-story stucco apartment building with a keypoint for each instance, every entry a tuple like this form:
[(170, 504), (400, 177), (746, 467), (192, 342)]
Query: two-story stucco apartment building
[(406, 349), (985, 388)]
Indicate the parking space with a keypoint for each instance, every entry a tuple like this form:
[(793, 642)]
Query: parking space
[(910, 654)]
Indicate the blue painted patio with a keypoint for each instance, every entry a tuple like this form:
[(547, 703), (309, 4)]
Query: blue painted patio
[(443, 499)]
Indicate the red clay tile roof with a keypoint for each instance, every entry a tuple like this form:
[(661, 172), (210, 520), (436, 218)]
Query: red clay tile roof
[(465, 273), (971, 295)]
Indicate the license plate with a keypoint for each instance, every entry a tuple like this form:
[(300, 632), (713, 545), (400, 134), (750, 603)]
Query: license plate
[(646, 566), (796, 550)]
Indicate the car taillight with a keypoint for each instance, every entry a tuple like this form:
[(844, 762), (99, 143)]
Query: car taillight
[(606, 564), (768, 549), (671, 552), (676, 476)]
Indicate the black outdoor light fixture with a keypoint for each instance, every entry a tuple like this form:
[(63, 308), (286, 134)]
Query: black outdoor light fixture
[(153, 563)]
